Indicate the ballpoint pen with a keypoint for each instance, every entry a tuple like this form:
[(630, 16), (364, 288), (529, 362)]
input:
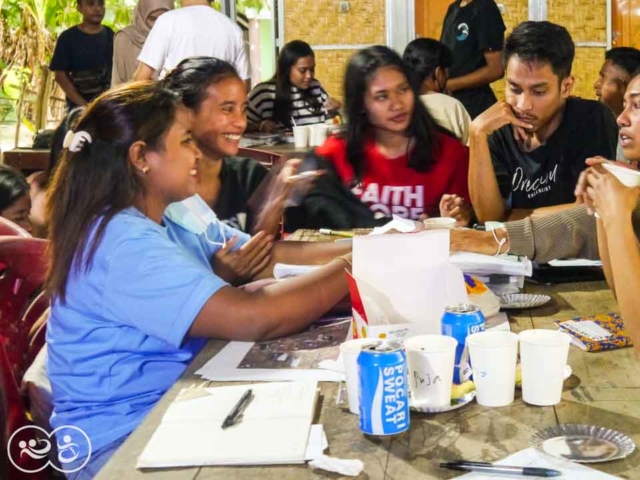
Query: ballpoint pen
[(232, 418), (337, 233), (463, 465)]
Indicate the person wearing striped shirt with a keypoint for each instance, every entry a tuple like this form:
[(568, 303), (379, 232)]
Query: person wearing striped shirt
[(292, 95)]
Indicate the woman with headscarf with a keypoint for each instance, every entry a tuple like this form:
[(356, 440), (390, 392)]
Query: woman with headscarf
[(128, 41)]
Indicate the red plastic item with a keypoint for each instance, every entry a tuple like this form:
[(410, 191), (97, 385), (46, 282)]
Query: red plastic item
[(8, 228)]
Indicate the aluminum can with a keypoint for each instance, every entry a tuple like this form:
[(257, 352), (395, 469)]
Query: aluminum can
[(384, 404), (460, 321)]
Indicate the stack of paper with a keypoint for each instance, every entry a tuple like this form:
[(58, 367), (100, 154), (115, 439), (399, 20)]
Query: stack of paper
[(274, 428)]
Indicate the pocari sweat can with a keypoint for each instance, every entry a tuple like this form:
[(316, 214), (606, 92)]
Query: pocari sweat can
[(384, 405), (460, 321)]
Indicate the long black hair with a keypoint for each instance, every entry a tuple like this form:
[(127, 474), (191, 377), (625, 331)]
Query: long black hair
[(193, 76), (289, 56), (13, 186), (361, 69)]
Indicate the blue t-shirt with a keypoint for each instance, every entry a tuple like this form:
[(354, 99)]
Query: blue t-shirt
[(118, 343)]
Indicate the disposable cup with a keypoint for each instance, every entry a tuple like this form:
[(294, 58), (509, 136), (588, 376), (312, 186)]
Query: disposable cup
[(431, 359), (439, 223), (627, 176), (349, 351), (301, 136), (493, 361), (318, 134), (543, 355)]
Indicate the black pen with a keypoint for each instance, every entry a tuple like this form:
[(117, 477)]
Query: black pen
[(232, 418), (492, 468)]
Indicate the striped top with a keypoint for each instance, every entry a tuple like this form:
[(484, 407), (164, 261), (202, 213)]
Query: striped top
[(262, 104)]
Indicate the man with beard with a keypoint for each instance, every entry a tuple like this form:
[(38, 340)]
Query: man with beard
[(527, 152)]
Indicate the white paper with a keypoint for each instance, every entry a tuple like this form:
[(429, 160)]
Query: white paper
[(318, 443), (274, 428), (223, 368), (498, 322), (488, 264), (531, 457), (402, 225), (575, 262)]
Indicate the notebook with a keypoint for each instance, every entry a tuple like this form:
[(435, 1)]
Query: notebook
[(605, 331), (274, 429)]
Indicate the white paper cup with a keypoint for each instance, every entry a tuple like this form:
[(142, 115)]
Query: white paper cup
[(349, 351), (301, 136), (493, 361), (318, 134), (431, 359), (628, 177), (543, 355), (440, 223)]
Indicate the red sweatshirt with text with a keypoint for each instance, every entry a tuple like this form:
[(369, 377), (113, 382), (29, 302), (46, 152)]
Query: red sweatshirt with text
[(390, 187)]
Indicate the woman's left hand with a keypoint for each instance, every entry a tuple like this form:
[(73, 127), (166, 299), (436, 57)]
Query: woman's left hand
[(454, 206), (333, 104), (606, 195)]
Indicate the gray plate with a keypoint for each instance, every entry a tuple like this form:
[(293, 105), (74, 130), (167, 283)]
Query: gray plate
[(583, 443), (523, 300)]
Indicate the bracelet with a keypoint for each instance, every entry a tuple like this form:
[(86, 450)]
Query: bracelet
[(344, 257), (500, 242)]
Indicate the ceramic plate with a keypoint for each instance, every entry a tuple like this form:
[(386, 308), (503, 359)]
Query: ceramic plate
[(455, 404), (523, 300), (583, 443)]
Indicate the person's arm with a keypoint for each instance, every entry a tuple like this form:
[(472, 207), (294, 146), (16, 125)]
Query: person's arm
[(276, 310), (486, 75), (483, 184), (69, 89), (603, 250), (143, 72)]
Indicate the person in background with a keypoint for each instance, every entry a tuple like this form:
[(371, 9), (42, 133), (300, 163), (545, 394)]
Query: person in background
[(133, 294), (82, 59), (615, 205), (195, 29), (620, 65), (15, 202), (474, 31), (393, 157), (128, 42), (292, 95), (429, 61), (528, 151), (213, 91)]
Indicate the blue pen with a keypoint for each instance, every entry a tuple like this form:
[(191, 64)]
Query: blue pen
[(466, 466)]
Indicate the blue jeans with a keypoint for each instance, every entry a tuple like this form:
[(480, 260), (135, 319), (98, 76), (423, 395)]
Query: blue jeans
[(96, 462)]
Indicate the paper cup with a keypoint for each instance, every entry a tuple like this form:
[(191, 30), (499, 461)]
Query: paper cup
[(318, 134), (431, 359), (349, 352), (628, 177), (493, 361), (440, 223), (301, 136), (543, 355)]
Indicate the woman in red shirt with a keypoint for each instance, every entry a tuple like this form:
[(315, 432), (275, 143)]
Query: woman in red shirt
[(393, 155)]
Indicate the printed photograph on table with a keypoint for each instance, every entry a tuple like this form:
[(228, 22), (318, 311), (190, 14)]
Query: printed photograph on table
[(304, 350)]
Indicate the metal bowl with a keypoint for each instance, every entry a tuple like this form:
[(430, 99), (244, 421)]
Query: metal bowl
[(523, 300), (583, 443)]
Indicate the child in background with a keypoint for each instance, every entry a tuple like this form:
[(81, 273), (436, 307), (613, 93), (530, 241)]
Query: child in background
[(15, 202), (83, 56)]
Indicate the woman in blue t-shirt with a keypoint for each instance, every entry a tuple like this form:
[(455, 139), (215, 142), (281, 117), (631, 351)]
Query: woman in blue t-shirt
[(133, 292)]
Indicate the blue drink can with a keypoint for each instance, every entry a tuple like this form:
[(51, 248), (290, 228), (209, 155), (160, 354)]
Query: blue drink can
[(384, 406), (460, 321)]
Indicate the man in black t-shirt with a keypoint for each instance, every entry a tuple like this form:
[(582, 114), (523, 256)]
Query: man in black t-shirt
[(474, 31), (527, 153), (83, 56)]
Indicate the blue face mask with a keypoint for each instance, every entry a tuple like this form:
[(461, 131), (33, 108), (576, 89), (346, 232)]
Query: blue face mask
[(194, 215)]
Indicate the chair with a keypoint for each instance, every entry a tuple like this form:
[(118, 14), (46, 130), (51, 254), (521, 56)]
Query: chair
[(23, 268), (8, 228), (35, 333), (268, 159), (13, 417)]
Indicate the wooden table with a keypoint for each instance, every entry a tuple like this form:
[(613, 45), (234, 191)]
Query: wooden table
[(27, 160), (604, 390)]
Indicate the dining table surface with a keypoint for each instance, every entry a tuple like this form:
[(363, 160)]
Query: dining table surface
[(603, 391)]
